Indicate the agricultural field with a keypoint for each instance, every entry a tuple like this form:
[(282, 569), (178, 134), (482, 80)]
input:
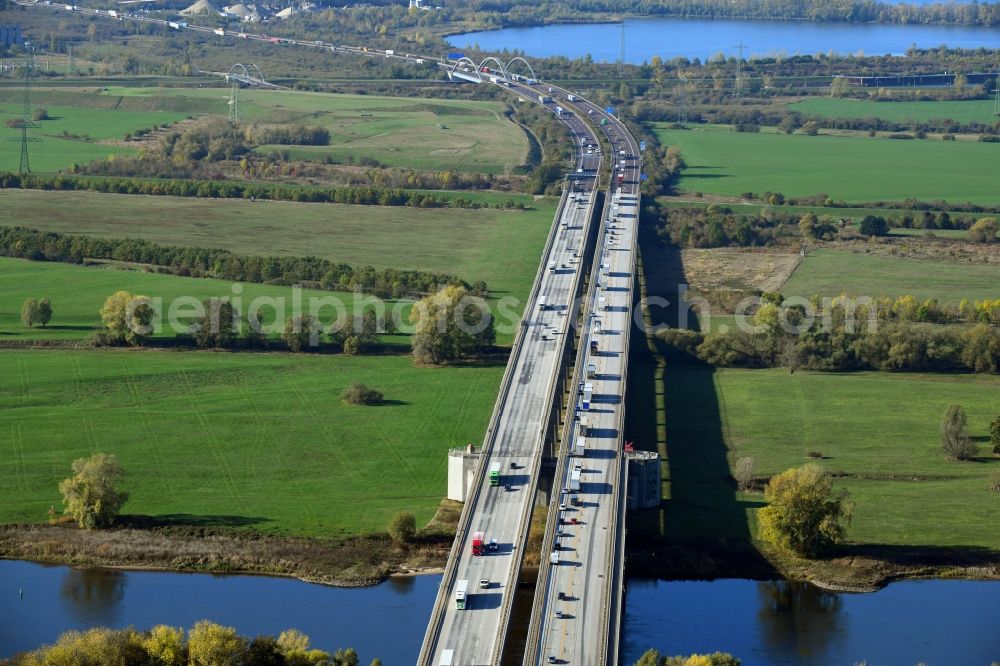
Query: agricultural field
[(426, 134), (878, 432), (73, 134), (964, 111), (78, 292), (852, 168), (830, 272), (258, 440), (501, 247)]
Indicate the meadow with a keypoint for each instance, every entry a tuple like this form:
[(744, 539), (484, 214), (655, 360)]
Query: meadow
[(426, 134), (963, 111), (260, 440), (78, 292), (501, 247), (852, 168), (878, 432), (830, 272), (73, 134)]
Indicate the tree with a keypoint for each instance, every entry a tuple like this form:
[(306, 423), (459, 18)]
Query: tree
[(166, 645), (127, 317), (29, 312), (451, 325), (44, 312), (402, 527), (984, 230), (218, 326), (955, 438), (211, 644), (874, 225), (90, 495), (995, 435), (804, 514), (807, 225), (743, 473), (301, 331), (355, 334)]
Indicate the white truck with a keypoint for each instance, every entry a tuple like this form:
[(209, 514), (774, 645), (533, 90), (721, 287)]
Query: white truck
[(552, 266), (580, 450), (541, 303), (574, 481), (588, 394), (220, 32), (389, 52), (461, 594), (559, 111), (544, 98), (571, 97)]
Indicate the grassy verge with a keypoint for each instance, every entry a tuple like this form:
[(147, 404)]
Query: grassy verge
[(963, 111), (852, 168), (255, 440)]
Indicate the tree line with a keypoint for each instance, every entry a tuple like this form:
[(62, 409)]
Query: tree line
[(313, 272), (204, 644), (893, 346)]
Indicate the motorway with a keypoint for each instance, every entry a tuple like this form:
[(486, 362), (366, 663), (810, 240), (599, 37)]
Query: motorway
[(577, 601), (476, 634)]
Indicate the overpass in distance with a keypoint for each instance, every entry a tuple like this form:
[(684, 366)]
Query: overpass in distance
[(577, 604)]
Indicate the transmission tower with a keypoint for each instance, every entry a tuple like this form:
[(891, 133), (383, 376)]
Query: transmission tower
[(26, 122), (234, 102), (738, 81)]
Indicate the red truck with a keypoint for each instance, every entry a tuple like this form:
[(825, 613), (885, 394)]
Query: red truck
[(478, 543), (621, 179)]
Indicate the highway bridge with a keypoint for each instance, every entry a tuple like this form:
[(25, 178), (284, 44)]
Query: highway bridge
[(577, 604)]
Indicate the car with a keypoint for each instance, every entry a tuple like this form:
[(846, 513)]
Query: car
[(572, 521), (513, 465), (552, 659), (558, 613), (484, 584), (562, 596), (508, 487), (562, 506)]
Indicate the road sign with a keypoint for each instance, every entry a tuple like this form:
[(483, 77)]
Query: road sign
[(642, 146), (644, 176), (610, 110)]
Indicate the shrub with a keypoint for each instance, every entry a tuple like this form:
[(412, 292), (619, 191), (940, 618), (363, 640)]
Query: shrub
[(40, 114), (815, 455), (743, 473), (955, 438), (359, 394), (402, 527)]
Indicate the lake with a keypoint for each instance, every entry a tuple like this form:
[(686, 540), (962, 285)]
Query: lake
[(703, 38), (385, 621), (777, 623)]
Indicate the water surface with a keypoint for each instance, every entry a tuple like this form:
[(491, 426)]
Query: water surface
[(704, 38), (385, 621), (777, 623)]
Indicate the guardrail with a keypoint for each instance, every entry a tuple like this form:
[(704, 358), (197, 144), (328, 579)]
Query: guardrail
[(434, 626)]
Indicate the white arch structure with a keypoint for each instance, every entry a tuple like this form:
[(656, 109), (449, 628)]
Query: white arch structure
[(526, 64), (248, 75)]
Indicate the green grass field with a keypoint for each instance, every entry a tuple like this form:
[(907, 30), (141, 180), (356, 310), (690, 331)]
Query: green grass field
[(429, 134), (967, 111), (830, 273), (880, 430), (256, 439), (500, 247), (53, 151), (78, 292), (721, 161)]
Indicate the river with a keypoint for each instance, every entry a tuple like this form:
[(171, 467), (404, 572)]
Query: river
[(385, 621), (773, 623), (704, 38)]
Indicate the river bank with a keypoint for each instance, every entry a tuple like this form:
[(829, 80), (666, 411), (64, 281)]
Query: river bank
[(352, 562)]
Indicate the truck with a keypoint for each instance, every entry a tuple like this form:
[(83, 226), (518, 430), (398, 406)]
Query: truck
[(621, 179), (177, 25), (389, 52), (552, 266), (559, 111), (447, 658), (220, 32), (495, 474), (544, 98), (574, 481), (571, 97), (554, 557), (461, 594), (584, 426), (541, 303), (593, 346), (588, 394), (591, 370), (112, 13), (478, 543), (580, 450), (604, 121)]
